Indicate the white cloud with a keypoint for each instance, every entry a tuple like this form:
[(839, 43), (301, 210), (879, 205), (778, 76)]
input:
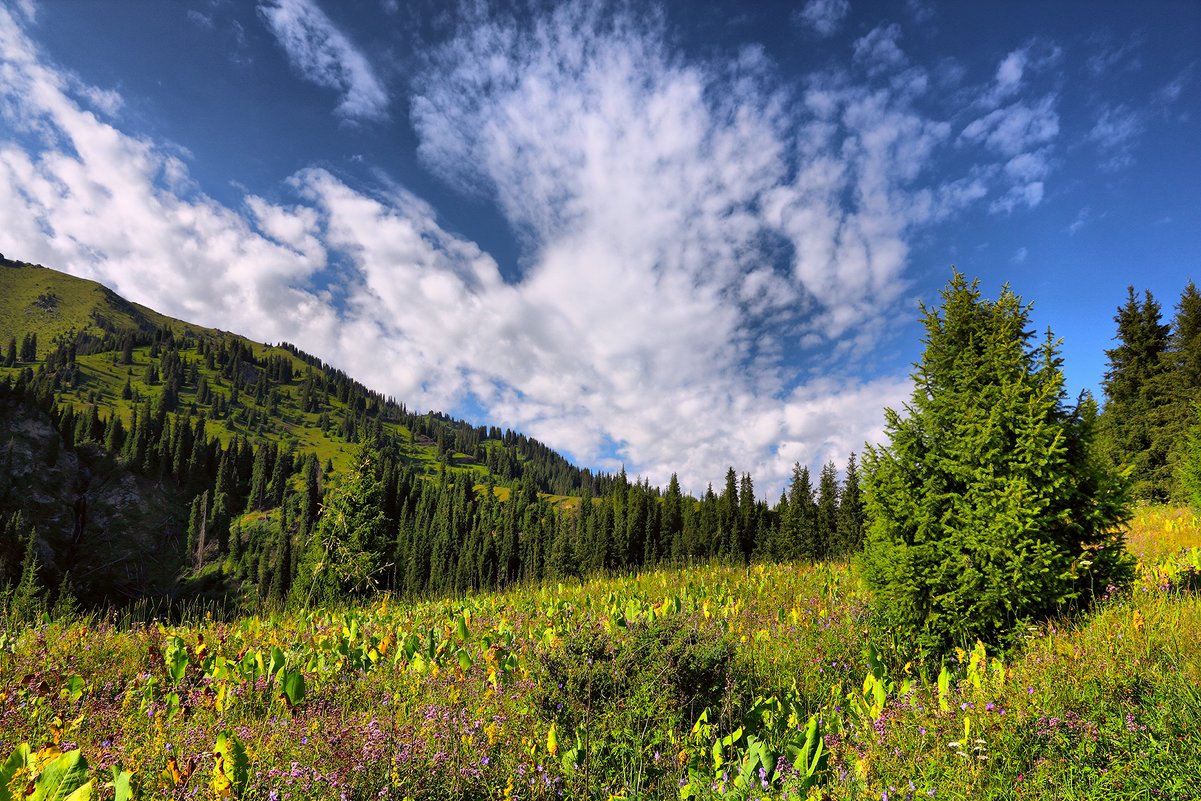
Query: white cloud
[(685, 226), (325, 56), (1083, 218), (879, 51), (1115, 134), (823, 16), (1019, 256), (1171, 91), (1016, 127), (118, 209)]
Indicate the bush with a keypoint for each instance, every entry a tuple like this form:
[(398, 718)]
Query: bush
[(988, 506)]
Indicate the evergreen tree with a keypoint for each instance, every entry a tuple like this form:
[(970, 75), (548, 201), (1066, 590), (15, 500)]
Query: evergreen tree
[(345, 555), (826, 517), (988, 505), (1190, 465), (850, 511), (1180, 386), (1134, 398), (28, 600), (728, 519), (672, 526), (798, 528)]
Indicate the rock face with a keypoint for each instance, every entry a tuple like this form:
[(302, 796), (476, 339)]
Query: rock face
[(111, 529)]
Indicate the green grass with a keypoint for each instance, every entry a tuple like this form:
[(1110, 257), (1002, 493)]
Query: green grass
[(596, 690), (37, 300)]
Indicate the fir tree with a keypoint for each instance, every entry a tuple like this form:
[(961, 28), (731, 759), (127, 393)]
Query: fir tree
[(988, 504), (345, 555), (1180, 385)]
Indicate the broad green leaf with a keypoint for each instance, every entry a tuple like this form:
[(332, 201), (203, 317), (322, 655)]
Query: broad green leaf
[(292, 684), (231, 767), (62, 779)]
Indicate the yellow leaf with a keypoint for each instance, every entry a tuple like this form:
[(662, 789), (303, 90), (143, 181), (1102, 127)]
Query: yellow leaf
[(173, 773), (552, 741)]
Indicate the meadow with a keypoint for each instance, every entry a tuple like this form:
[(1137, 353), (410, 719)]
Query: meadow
[(772, 681)]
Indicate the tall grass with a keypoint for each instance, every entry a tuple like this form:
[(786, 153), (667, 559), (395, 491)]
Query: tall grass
[(651, 686)]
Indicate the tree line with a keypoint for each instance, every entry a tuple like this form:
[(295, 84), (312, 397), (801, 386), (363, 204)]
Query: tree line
[(1151, 387)]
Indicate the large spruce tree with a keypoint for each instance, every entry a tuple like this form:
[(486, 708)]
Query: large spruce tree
[(988, 505)]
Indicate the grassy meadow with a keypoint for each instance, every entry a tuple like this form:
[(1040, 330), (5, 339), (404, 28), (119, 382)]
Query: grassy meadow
[(714, 682)]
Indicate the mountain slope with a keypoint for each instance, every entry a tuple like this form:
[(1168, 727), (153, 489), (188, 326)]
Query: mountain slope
[(121, 418), (39, 300)]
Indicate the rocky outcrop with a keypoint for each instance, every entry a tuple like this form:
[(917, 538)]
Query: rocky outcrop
[(118, 534)]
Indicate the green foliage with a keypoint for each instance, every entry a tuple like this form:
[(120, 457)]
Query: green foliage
[(231, 767), (46, 775), (1136, 396), (346, 553), (28, 600), (1190, 467), (988, 505), (444, 699)]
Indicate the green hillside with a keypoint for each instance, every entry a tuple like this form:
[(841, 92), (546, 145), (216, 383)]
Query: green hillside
[(148, 456), (50, 304), (103, 393)]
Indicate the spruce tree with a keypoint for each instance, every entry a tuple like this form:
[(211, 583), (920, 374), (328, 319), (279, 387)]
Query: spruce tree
[(28, 600), (826, 517), (988, 505), (1134, 397), (1180, 384), (345, 554), (850, 511), (1190, 463)]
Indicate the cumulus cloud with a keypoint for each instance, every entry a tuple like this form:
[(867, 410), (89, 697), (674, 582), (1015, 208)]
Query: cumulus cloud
[(321, 53), (823, 16), (119, 209), (687, 228)]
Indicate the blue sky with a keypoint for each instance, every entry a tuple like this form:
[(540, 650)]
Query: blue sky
[(674, 236)]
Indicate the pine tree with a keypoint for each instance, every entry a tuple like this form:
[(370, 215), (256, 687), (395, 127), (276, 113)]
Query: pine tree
[(988, 504), (672, 526), (798, 528), (345, 554), (1190, 463)]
